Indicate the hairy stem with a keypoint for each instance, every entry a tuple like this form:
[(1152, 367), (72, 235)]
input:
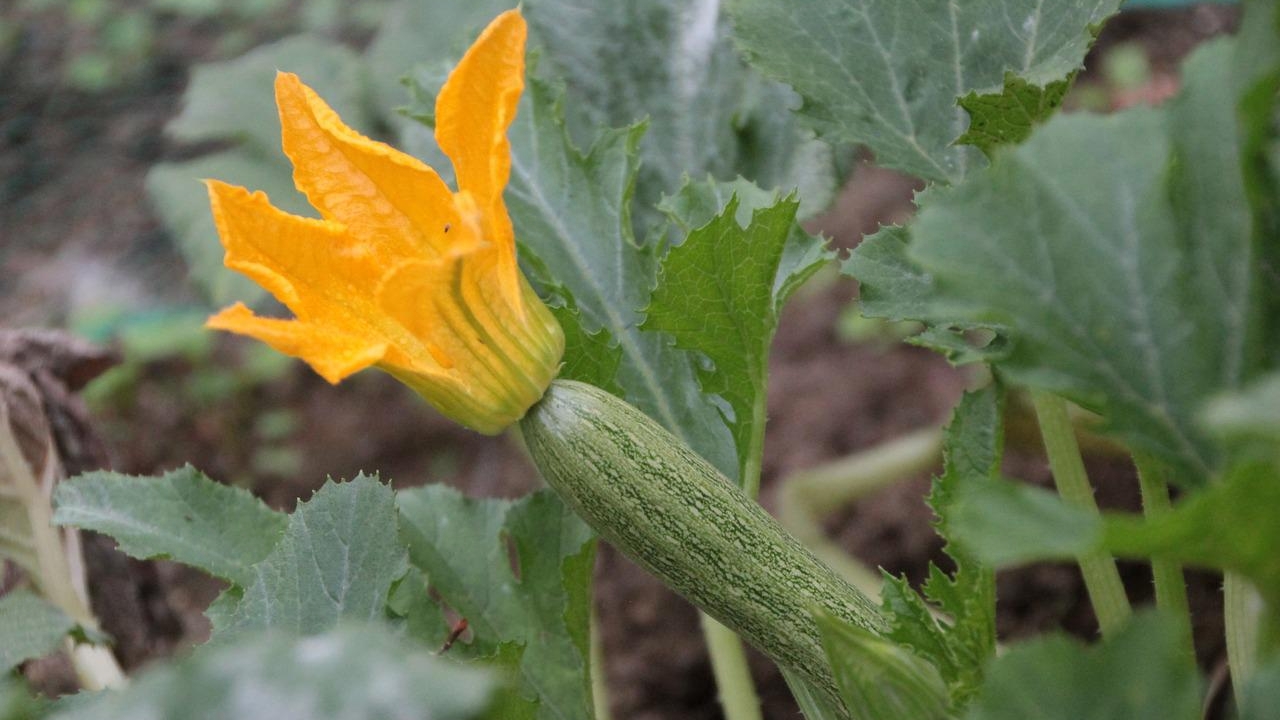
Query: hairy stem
[(1243, 612), (1171, 587), (1101, 578), (738, 696)]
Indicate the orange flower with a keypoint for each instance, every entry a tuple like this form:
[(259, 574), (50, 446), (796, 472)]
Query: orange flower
[(401, 272)]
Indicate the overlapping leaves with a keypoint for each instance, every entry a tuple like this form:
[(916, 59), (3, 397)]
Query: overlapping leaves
[(888, 74), (1117, 277), (354, 552)]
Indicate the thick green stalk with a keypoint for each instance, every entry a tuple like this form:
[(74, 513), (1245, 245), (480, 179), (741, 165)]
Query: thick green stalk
[(1101, 578), (1171, 587), (599, 681), (738, 696), (737, 690), (1243, 612)]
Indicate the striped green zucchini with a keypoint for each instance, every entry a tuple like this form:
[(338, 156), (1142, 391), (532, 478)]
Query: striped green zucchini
[(674, 514)]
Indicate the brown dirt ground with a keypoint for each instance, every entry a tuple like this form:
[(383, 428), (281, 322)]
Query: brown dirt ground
[(73, 215)]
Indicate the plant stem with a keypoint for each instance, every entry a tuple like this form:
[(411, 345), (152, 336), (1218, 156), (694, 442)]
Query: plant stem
[(805, 497), (738, 696), (1171, 587), (599, 682), (95, 666), (1101, 578), (1243, 612), (755, 450)]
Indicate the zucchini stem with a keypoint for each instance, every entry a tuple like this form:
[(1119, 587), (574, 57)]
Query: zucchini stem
[(1101, 578), (738, 697), (737, 690), (1243, 612), (1171, 587)]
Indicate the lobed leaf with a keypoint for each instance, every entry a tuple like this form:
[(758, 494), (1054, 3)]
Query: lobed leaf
[(720, 292), (181, 515), (1143, 673), (1088, 279), (888, 73), (672, 61), (1115, 258), (30, 627), (572, 211), (957, 648), (350, 673), (520, 573), (336, 562)]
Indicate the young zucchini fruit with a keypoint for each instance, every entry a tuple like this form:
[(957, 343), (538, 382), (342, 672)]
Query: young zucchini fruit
[(675, 515)]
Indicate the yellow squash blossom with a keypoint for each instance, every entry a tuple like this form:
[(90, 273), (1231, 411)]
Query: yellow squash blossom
[(401, 272)]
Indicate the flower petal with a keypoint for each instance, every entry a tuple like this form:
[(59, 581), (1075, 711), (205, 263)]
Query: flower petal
[(478, 103), (390, 200), (299, 260), (330, 352)]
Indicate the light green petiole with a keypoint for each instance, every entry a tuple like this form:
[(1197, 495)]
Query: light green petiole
[(1101, 578), (1171, 587)]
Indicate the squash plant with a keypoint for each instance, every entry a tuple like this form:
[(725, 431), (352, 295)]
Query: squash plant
[(1123, 263)]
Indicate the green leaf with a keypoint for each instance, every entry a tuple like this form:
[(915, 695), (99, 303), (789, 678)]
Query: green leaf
[(956, 649), (1113, 277), (1256, 76), (30, 628), (337, 561), (1227, 526), (814, 703), (355, 672), (1143, 673), (973, 450), (1230, 526), (888, 74), (878, 679), (1248, 421), (1069, 245), (572, 211), (1005, 523), (1262, 693), (671, 61), (209, 114), (893, 287), (719, 296), (181, 515), (698, 203), (1206, 195), (1008, 117), (467, 548), (17, 702)]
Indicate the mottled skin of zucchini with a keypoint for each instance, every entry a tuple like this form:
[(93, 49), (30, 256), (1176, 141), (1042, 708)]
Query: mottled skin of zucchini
[(675, 515)]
